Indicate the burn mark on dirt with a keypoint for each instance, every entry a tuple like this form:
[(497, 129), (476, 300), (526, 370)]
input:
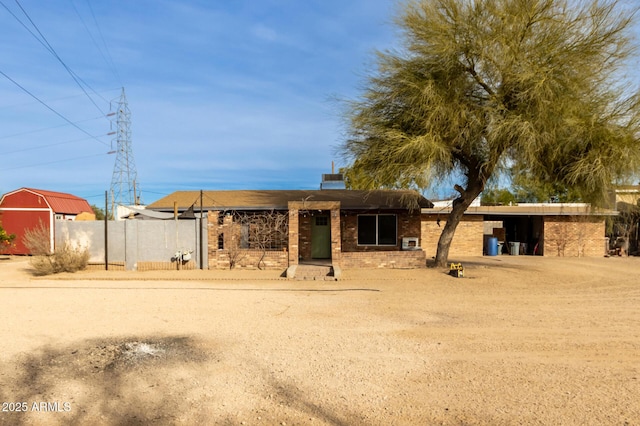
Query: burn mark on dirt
[(111, 356)]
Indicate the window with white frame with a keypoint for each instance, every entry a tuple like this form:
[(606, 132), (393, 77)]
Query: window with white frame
[(377, 230)]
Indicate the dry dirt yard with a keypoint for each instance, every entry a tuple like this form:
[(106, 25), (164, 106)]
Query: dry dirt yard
[(518, 340)]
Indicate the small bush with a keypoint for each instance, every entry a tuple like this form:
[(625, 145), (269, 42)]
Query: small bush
[(66, 257)]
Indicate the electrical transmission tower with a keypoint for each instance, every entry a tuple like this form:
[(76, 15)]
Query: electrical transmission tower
[(124, 182)]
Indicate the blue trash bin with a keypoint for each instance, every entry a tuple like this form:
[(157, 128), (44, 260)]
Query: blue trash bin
[(492, 246)]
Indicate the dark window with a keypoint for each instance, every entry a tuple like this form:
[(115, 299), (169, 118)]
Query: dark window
[(221, 241), (377, 230), (367, 230), (386, 230)]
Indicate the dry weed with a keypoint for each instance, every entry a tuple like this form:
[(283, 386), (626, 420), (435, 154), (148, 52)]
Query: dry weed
[(65, 258)]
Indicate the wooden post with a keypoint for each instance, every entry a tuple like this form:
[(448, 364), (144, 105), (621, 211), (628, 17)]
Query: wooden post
[(106, 233), (201, 242)]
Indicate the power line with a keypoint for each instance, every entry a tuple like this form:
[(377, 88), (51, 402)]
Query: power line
[(44, 42), (45, 129), (108, 61), (51, 109), (95, 196), (84, 24), (51, 50), (21, 23), (157, 193), (60, 98), (43, 146), (53, 162)]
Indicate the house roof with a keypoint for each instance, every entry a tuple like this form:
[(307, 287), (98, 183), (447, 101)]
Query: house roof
[(59, 202), (530, 209), (279, 199), (627, 188)]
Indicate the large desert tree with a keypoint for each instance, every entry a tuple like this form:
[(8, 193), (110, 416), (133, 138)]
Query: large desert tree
[(480, 87)]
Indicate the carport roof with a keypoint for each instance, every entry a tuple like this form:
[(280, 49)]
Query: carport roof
[(279, 199), (531, 209)]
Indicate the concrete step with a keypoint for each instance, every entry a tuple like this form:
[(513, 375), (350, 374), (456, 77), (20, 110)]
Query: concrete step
[(311, 273)]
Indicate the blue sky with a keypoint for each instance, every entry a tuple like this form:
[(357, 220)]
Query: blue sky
[(237, 94), (223, 94)]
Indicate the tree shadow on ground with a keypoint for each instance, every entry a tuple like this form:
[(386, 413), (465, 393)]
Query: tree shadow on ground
[(304, 410), (99, 381), (492, 262)]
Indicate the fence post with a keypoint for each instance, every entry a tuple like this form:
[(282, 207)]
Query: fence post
[(106, 233)]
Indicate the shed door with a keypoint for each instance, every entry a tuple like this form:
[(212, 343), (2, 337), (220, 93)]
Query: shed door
[(320, 237)]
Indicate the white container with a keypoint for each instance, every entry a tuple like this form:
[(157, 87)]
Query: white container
[(410, 243)]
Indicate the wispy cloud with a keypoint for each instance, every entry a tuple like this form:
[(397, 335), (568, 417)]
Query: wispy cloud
[(265, 33)]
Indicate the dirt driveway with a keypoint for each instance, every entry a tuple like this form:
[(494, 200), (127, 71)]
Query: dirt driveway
[(519, 340)]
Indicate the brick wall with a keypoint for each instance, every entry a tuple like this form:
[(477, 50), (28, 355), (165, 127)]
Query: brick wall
[(166, 266), (304, 232), (248, 259), (574, 236), (242, 258), (467, 241), (408, 226), (146, 266), (336, 235), (294, 235), (214, 229), (383, 259)]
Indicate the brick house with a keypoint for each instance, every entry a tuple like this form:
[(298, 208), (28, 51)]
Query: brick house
[(556, 229), (281, 228)]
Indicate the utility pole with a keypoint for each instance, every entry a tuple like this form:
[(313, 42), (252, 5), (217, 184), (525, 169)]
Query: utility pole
[(124, 181), (106, 231)]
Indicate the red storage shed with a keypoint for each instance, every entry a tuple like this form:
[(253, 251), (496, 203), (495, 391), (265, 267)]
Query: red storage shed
[(26, 208)]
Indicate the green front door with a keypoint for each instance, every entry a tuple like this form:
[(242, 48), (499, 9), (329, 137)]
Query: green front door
[(320, 237)]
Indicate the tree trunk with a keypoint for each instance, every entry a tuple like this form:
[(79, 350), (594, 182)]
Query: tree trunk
[(460, 205)]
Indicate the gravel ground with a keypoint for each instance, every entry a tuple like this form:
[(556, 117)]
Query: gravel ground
[(518, 340)]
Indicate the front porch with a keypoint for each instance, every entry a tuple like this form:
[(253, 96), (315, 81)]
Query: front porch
[(320, 232), (314, 231)]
